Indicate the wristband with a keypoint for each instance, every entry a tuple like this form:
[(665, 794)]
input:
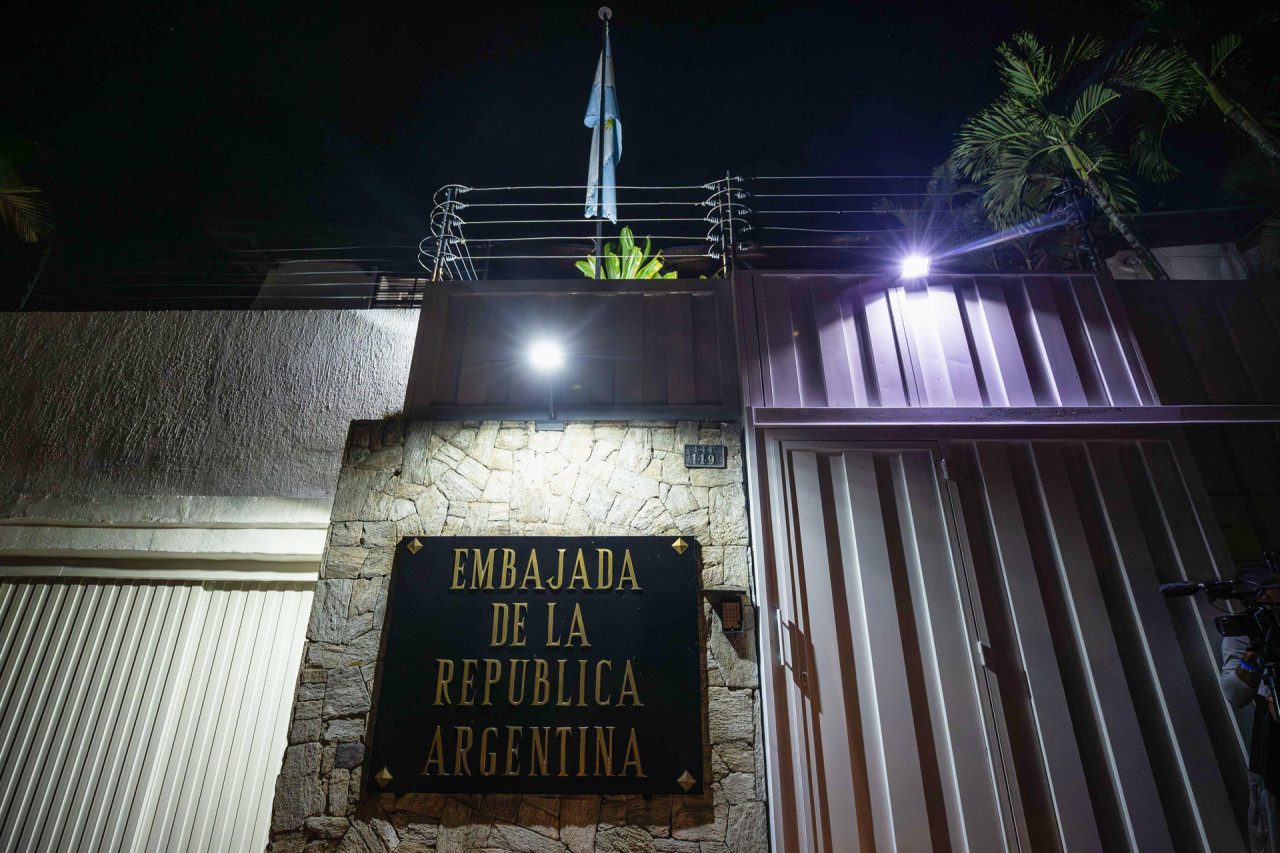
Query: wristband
[(1248, 667)]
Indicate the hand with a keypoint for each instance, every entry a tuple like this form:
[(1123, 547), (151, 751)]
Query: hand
[(1250, 678), (1271, 706)]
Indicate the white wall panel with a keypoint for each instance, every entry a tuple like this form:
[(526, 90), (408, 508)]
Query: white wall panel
[(143, 716)]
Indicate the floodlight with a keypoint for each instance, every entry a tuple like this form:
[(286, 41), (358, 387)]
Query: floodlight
[(915, 266), (546, 356)]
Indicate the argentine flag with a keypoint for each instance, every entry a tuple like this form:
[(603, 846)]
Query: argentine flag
[(612, 138)]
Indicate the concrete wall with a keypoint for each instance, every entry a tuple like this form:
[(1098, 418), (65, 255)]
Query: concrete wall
[(236, 403), (488, 478)]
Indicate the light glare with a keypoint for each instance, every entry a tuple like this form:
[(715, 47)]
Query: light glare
[(546, 355), (915, 266)]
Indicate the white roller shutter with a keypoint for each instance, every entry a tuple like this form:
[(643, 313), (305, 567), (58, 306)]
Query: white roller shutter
[(144, 715)]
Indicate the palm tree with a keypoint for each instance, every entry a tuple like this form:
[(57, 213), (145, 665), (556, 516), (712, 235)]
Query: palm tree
[(1046, 129)]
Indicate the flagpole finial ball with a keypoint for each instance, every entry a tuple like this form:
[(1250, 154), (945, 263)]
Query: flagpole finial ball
[(605, 13)]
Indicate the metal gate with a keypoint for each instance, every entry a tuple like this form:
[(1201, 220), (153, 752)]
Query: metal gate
[(972, 655), (143, 716)]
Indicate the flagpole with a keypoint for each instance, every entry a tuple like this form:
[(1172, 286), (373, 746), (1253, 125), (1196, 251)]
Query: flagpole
[(605, 14)]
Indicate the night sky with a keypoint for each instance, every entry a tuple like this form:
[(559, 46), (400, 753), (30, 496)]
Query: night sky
[(156, 118)]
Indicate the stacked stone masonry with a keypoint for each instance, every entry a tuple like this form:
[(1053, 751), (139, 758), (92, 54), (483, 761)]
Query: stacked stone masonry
[(491, 478)]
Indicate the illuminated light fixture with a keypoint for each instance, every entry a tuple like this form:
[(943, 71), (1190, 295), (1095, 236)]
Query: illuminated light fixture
[(546, 356), (915, 266)]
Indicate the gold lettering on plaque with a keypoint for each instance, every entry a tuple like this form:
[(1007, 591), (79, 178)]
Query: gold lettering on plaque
[(604, 566), (628, 571), (604, 749), (435, 755), (582, 750), (460, 765), (560, 700), (562, 732), (629, 688), (541, 684), (512, 680), (552, 640), (512, 731), (501, 616), (538, 760), (632, 757), (488, 758), (580, 572), (582, 684), (469, 682), (531, 571), (508, 580), (559, 572), (443, 676), (577, 629), (492, 672), (521, 609), (600, 680), (482, 571), (459, 568)]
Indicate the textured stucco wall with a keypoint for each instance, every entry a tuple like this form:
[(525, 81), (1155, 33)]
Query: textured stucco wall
[(238, 403), (433, 479)]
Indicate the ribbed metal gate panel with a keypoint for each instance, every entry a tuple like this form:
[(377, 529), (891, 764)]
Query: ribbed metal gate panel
[(143, 716), (985, 663)]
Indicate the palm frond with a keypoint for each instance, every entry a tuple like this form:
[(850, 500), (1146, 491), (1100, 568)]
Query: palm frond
[(1091, 102), (982, 138), (1221, 54), (27, 214), (1165, 74)]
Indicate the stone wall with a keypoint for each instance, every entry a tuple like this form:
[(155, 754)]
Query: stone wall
[(433, 479)]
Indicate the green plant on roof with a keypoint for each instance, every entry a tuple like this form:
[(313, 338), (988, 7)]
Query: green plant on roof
[(628, 261)]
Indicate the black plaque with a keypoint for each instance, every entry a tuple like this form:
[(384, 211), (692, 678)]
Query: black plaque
[(704, 456), (603, 697)]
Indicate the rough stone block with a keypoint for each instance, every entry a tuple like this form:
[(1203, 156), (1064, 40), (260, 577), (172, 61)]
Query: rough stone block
[(538, 819), (730, 716), (345, 693), (738, 788), (624, 839), (653, 815), (747, 830), (578, 819), (737, 757), (298, 792), (729, 515), (344, 730), (636, 451), (672, 845), (329, 610), (307, 709), (501, 806), (414, 831), (695, 819), (304, 731), (339, 792), (633, 485), (521, 840), (735, 655), (327, 827)]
